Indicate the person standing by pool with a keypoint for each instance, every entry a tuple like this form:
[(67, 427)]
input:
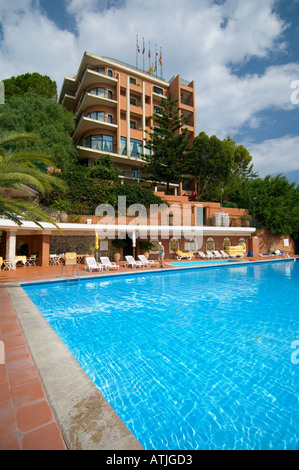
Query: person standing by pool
[(161, 254)]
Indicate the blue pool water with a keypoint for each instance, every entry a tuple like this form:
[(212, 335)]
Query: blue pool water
[(190, 359), (199, 262)]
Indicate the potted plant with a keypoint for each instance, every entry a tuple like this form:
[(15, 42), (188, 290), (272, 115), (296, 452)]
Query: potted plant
[(245, 220), (233, 222), (145, 246), (170, 219), (64, 206), (119, 244)]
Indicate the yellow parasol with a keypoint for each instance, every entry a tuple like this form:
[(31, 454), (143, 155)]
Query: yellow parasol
[(96, 242)]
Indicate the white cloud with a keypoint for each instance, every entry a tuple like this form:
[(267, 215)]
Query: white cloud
[(226, 102), (33, 43), (275, 155)]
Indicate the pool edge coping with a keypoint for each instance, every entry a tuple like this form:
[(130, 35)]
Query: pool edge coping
[(111, 275)]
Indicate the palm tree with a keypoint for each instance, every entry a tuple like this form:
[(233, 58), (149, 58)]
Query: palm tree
[(19, 170)]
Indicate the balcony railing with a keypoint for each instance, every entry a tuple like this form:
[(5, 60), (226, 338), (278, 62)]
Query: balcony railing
[(103, 146)]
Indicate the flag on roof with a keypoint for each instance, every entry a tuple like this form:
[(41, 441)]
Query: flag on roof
[(138, 49)]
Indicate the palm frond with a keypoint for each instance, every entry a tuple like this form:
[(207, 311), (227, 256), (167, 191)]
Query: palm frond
[(12, 208), (16, 138)]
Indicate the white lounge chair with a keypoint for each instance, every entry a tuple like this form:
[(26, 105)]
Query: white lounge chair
[(8, 265), (224, 254), (200, 254), (131, 262), (54, 260), (30, 261), (92, 265), (216, 254), (147, 262), (210, 255), (108, 264)]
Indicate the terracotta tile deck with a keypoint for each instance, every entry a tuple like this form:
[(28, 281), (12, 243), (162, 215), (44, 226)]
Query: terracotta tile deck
[(26, 418)]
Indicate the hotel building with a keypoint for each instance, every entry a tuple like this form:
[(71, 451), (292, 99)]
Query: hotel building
[(113, 105)]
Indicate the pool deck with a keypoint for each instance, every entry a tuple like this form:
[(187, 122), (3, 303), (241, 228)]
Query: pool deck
[(47, 402)]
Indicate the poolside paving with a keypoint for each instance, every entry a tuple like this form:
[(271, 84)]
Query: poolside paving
[(27, 419)]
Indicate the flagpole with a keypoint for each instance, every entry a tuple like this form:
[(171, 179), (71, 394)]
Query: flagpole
[(137, 51), (149, 55), (143, 51)]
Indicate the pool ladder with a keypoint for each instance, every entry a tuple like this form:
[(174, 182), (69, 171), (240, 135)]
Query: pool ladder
[(67, 272)]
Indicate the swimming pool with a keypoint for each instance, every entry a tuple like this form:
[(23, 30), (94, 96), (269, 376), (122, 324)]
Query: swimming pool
[(191, 359), (200, 262)]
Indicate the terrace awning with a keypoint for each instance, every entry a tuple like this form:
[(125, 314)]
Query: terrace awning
[(30, 228)]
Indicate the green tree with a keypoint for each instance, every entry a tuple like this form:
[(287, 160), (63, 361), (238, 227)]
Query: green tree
[(167, 144), (273, 201), (18, 170), (39, 84), (33, 113), (208, 163), (242, 165), (104, 169)]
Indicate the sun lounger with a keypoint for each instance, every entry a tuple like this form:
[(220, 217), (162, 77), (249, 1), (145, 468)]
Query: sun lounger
[(147, 262), (108, 264), (30, 261), (8, 265), (131, 262), (200, 254), (235, 251), (216, 254), (210, 255), (224, 255), (181, 255), (92, 265)]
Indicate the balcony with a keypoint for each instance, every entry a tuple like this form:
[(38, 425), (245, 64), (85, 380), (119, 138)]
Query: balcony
[(86, 124), (89, 99)]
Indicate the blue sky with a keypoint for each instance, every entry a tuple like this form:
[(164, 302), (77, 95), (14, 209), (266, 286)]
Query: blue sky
[(243, 56)]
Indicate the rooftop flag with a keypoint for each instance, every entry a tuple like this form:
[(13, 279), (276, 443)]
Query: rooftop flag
[(138, 49), (160, 58)]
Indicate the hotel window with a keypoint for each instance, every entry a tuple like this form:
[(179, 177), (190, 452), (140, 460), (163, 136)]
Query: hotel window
[(133, 80), (110, 73), (133, 124), (158, 90), (135, 148), (157, 110), (99, 142), (97, 91), (123, 146), (110, 118), (157, 130), (110, 95), (134, 174), (133, 101), (100, 70), (97, 116)]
